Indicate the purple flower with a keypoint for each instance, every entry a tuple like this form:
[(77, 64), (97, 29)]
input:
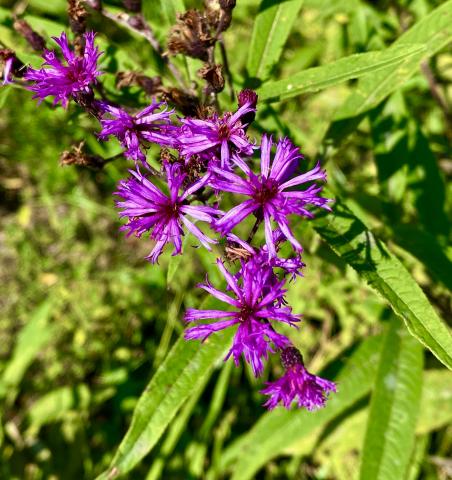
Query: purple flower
[(254, 308), (297, 382), (7, 70), (66, 81), (163, 216), (269, 198), (149, 125), (220, 136)]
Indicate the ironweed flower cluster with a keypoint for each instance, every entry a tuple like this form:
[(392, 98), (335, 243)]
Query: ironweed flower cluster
[(208, 180)]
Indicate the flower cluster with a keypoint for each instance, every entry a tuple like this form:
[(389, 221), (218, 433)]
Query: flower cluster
[(207, 164)]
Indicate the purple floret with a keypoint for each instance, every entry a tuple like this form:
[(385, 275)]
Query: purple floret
[(219, 136), (7, 70), (149, 125), (269, 197), (255, 306), (65, 81), (149, 210), (298, 384)]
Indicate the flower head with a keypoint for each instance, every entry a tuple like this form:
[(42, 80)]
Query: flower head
[(267, 192), (66, 81), (163, 216), (149, 125), (220, 136), (255, 306), (297, 382)]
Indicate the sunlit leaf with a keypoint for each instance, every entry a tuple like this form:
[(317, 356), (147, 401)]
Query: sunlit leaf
[(394, 407), (271, 29), (353, 242), (319, 78)]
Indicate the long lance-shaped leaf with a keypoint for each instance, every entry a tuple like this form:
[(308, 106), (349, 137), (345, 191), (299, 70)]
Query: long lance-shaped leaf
[(184, 369), (353, 66), (434, 31), (279, 429), (394, 407), (271, 30), (370, 257)]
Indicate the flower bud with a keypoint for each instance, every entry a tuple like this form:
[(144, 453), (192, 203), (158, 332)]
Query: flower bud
[(248, 96), (290, 357)]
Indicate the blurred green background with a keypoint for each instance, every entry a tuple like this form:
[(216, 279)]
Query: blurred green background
[(85, 321)]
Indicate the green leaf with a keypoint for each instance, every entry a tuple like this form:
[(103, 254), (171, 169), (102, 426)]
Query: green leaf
[(277, 430), (353, 66), (436, 403), (270, 32), (435, 412), (170, 8), (33, 337), (4, 93), (394, 407), (184, 369), (174, 433), (55, 405), (434, 31), (370, 257)]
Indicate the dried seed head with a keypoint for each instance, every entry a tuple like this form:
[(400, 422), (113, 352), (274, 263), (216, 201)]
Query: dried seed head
[(76, 156), (34, 39), (219, 13), (213, 75), (191, 35), (227, 4), (151, 85), (132, 5), (77, 16), (184, 102)]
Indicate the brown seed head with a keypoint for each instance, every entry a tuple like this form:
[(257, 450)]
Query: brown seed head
[(213, 75), (191, 35), (76, 156)]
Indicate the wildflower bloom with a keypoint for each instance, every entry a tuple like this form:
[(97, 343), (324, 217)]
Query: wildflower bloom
[(269, 198), (311, 390), (149, 125), (163, 216), (217, 135), (65, 81), (255, 308)]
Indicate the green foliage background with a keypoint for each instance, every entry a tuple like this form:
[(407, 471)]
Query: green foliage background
[(86, 323)]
